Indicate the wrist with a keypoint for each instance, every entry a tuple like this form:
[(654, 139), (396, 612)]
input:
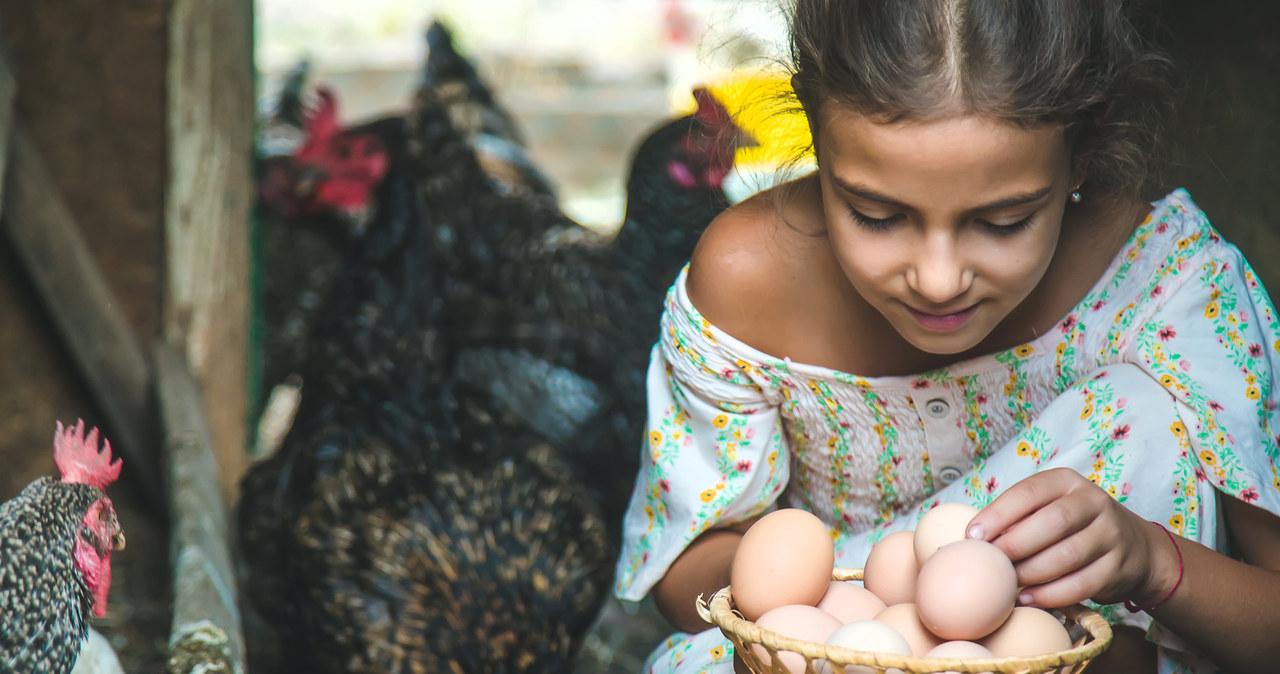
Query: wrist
[(1164, 573)]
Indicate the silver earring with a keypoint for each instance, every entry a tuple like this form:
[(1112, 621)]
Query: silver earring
[(1075, 197)]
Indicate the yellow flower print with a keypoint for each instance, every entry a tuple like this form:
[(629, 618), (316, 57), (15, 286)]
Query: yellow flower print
[(1208, 457), (1023, 448), (655, 437), (1175, 523), (772, 459), (1167, 380), (1275, 482), (1023, 350), (1276, 346), (720, 421), (708, 495), (1251, 393), (1062, 348), (649, 511), (813, 386), (1146, 221), (1086, 412), (1115, 493), (833, 441), (1178, 428), (1108, 411), (1099, 464), (1095, 478), (1211, 310), (717, 653)]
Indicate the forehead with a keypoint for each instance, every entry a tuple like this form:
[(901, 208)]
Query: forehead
[(963, 152)]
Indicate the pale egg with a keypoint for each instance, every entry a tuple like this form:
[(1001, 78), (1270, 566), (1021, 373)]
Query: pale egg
[(966, 590), (797, 621), (1029, 631), (906, 620), (960, 650), (849, 602), (865, 635), (891, 568), (786, 557), (944, 524)]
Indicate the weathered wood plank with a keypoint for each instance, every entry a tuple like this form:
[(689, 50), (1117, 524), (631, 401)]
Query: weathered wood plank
[(206, 633), (102, 343), (206, 302)]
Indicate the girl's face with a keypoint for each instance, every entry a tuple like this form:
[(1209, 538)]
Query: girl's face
[(944, 226)]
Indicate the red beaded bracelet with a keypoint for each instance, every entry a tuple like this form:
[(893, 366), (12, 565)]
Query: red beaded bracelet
[(1134, 608)]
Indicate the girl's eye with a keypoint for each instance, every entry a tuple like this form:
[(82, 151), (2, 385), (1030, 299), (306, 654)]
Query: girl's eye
[(1009, 229), (875, 224)]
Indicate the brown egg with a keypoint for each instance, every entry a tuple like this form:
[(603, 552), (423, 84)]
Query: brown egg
[(905, 619), (944, 524), (799, 622), (891, 568), (960, 650), (786, 557), (966, 590), (1029, 631), (849, 602)]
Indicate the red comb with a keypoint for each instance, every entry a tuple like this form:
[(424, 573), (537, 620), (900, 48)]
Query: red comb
[(710, 110), (320, 123), (78, 457)]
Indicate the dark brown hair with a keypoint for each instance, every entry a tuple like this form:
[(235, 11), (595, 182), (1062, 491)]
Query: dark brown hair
[(1080, 64)]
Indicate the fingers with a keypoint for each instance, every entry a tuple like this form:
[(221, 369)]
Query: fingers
[(1072, 588), (1025, 497), (1063, 557)]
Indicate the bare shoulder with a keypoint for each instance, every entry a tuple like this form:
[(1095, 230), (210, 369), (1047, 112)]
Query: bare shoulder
[(747, 261)]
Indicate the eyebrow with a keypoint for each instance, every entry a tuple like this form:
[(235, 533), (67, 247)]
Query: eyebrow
[(1007, 202)]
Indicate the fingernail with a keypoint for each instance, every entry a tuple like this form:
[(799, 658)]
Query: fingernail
[(1025, 598), (975, 532)]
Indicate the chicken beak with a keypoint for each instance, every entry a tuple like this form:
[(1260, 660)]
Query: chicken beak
[(117, 541), (742, 139)]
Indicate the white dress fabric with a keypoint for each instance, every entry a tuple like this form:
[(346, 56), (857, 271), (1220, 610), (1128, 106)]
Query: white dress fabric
[(1160, 386)]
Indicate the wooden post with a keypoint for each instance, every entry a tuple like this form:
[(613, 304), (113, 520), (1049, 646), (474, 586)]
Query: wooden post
[(206, 302), (206, 633)]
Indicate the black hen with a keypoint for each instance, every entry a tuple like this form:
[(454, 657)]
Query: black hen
[(403, 526), (476, 113), (560, 319)]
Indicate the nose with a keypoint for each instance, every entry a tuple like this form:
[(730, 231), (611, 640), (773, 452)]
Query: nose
[(938, 271)]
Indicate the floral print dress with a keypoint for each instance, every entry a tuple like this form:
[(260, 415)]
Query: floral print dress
[(1160, 387)]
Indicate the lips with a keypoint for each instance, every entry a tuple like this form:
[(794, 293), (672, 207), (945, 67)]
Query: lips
[(944, 322)]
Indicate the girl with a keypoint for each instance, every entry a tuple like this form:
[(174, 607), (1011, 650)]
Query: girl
[(968, 301)]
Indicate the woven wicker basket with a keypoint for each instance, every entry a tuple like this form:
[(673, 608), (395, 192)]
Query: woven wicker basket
[(743, 633)]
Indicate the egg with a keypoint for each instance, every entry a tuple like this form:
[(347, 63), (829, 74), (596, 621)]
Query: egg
[(1028, 631), (905, 619), (960, 650), (849, 602), (966, 590), (786, 557), (891, 568), (797, 621), (865, 635), (944, 524)]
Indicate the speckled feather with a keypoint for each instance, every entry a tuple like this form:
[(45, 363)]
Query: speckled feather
[(44, 601)]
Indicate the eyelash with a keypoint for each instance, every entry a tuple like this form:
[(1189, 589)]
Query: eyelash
[(881, 224)]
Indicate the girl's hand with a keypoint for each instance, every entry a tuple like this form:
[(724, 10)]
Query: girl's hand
[(1070, 541)]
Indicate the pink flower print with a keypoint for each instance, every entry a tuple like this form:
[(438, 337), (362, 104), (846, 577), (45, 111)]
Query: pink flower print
[(920, 383), (981, 399), (1126, 488), (751, 433), (1249, 495), (991, 484), (1215, 406), (1121, 403), (744, 466), (1068, 323), (1255, 350), (1157, 291), (665, 484), (1201, 476), (1121, 432), (1166, 333), (1162, 227), (1185, 365), (1098, 305)]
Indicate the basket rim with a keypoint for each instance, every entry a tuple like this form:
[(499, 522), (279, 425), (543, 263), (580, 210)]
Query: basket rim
[(719, 612)]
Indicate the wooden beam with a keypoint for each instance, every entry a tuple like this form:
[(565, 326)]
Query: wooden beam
[(102, 343), (206, 630)]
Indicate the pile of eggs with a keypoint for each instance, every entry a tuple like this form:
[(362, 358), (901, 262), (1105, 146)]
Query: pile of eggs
[(926, 593)]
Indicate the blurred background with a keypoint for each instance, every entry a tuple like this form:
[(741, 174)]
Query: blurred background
[(144, 114)]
